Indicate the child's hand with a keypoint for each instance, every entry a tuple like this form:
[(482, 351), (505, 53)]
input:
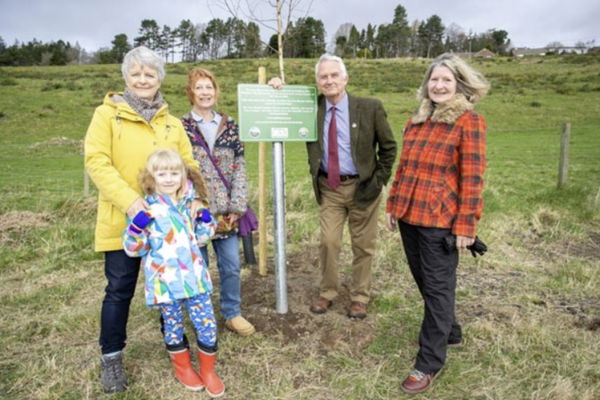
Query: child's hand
[(203, 215), (205, 226), (141, 220)]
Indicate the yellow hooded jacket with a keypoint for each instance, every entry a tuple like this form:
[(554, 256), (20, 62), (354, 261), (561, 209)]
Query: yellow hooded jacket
[(117, 145)]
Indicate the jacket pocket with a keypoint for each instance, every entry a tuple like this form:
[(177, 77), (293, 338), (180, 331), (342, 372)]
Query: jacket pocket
[(442, 201)]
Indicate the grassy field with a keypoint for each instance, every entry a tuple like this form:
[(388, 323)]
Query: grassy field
[(530, 307)]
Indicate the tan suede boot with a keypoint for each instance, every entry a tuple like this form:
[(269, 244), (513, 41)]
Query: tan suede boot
[(182, 366), (240, 325), (213, 384)]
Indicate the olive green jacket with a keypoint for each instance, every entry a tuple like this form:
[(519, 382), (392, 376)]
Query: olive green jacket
[(373, 147)]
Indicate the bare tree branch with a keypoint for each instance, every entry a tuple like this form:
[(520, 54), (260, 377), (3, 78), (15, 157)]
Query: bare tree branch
[(252, 10)]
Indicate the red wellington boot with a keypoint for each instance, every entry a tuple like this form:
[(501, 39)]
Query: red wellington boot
[(212, 382), (182, 366)]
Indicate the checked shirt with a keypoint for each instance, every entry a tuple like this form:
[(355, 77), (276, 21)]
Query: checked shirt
[(439, 180)]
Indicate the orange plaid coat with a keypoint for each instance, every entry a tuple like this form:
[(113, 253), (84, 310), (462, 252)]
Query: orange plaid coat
[(439, 180)]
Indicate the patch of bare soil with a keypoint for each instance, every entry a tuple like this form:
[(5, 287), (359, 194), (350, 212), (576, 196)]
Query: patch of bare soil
[(493, 305), (14, 223), (327, 332), (586, 312), (589, 248)]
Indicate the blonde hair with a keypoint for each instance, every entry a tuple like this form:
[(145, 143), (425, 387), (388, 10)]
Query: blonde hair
[(194, 75), (160, 160), (469, 82)]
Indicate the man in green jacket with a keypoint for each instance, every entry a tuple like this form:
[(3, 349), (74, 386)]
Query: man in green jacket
[(348, 180), (350, 163)]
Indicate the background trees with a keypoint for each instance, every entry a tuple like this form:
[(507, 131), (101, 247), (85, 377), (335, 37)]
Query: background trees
[(236, 38), (305, 38)]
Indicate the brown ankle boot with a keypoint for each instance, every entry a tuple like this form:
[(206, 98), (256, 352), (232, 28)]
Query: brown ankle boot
[(182, 366), (213, 384)]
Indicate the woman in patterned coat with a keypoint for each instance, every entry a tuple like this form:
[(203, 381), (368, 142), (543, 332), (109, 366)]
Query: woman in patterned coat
[(437, 192), (216, 143)]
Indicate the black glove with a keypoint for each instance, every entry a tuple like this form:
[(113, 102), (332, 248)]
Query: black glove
[(478, 247)]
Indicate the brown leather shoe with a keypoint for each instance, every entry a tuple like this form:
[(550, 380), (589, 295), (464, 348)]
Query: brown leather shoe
[(320, 305), (357, 310), (417, 382)]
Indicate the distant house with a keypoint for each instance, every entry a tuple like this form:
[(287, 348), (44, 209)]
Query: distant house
[(484, 53), (525, 52)]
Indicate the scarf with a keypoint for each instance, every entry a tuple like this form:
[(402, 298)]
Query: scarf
[(145, 108)]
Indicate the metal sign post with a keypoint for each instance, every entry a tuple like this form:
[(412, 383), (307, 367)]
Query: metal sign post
[(279, 222), (269, 115)]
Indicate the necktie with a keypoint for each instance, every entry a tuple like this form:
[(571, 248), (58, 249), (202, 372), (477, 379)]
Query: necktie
[(333, 164)]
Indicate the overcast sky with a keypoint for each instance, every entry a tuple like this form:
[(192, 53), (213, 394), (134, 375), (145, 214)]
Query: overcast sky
[(94, 23)]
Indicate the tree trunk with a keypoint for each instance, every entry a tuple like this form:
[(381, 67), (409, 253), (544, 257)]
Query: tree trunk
[(280, 40)]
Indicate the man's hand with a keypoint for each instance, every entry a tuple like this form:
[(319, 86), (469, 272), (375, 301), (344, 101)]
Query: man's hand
[(275, 83)]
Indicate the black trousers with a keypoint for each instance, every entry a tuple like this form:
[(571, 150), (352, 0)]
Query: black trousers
[(121, 273), (434, 271)]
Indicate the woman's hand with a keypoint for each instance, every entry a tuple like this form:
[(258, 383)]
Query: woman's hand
[(233, 217), (391, 223), (463, 241), (275, 83), (138, 205)]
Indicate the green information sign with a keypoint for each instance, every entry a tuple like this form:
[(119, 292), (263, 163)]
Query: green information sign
[(288, 114)]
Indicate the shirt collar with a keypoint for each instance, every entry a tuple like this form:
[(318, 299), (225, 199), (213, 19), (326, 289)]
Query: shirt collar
[(198, 118), (342, 105)]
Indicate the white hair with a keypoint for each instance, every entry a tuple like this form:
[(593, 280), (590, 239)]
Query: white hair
[(143, 56), (331, 57)]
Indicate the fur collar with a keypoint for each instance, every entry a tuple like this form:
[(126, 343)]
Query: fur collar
[(447, 112)]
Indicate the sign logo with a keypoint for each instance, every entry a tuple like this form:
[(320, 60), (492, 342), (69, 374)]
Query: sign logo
[(279, 133), (254, 131), (303, 132)]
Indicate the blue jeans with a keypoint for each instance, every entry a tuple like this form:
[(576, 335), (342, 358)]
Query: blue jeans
[(121, 272), (228, 263)]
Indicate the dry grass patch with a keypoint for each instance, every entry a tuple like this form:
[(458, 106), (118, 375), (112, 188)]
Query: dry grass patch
[(14, 224), (72, 145)]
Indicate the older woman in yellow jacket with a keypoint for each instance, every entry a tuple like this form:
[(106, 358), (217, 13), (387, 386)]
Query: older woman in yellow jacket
[(124, 130)]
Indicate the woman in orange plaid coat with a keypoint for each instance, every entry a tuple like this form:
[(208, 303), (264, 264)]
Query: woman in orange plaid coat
[(437, 191)]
